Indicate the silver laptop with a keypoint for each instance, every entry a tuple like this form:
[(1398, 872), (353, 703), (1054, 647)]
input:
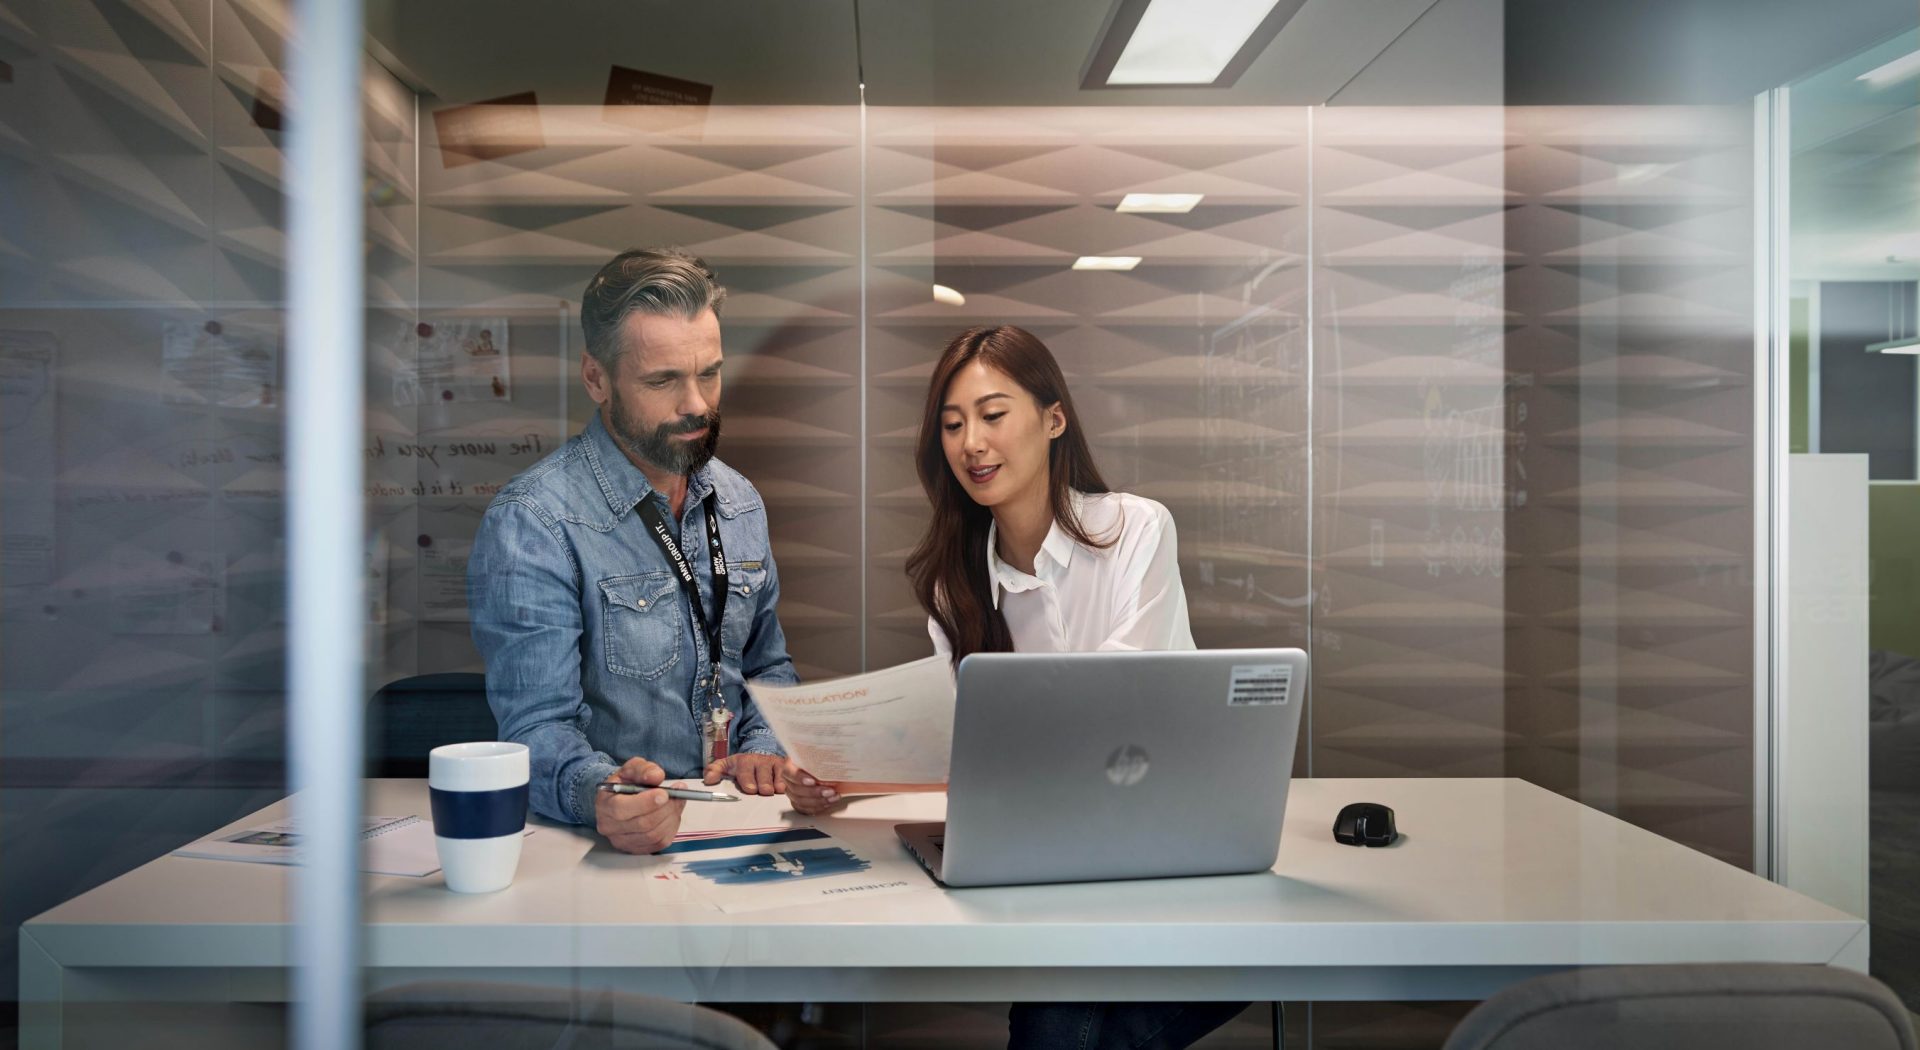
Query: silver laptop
[(1073, 767)]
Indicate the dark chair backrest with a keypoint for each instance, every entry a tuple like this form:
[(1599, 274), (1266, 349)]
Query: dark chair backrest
[(412, 716), (463, 1015), (1705, 1006)]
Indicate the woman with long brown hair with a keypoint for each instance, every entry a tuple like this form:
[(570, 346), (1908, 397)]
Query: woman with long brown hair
[(1029, 551)]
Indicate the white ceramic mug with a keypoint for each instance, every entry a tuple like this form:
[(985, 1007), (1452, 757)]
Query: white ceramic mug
[(479, 795)]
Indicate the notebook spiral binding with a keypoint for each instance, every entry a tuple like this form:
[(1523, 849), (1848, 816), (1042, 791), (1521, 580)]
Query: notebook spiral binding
[(406, 821)]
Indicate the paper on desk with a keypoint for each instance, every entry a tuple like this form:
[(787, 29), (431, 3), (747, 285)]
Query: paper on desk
[(888, 730), (675, 889), (777, 868), (393, 845)]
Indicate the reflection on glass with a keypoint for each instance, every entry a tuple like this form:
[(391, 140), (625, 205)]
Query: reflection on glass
[(1855, 258), (1459, 397)]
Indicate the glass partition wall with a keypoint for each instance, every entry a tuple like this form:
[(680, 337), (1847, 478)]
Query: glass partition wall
[(1454, 391), (1854, 136), (143, 296)]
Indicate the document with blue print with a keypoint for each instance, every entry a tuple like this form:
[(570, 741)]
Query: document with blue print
[(752, 869), (883, 731), (400, 845)]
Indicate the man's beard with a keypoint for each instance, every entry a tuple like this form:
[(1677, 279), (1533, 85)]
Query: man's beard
[(658, 447)]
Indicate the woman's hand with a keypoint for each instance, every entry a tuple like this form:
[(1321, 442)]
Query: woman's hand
[(807, 795)]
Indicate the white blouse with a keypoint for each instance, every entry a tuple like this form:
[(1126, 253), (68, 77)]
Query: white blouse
[(1079, 598)]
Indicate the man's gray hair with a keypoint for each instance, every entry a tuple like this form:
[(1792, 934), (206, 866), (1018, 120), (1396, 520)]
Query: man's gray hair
[(669, 282)]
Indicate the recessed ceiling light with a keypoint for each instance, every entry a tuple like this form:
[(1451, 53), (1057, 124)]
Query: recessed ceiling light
[(1106, 262), (944, 294), (1897, 70), (1172, 43), (1159, 203)]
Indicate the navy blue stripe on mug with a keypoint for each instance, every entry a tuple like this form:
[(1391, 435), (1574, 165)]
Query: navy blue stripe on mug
[(479, 814)]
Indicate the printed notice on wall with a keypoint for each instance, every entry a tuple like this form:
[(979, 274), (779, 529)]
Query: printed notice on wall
[(444, 545), (168, 592), (27, 361), (443, 580), (378, 559), (455, 359), (888, 730), (220, 364), (655, 102)]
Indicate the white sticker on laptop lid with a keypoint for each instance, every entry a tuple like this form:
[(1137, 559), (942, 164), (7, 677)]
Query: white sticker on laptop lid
[(1260, 684)]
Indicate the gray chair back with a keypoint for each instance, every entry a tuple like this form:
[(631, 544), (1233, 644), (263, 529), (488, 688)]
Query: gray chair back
[(468, 1015), (1692, 1007), (412, 716)]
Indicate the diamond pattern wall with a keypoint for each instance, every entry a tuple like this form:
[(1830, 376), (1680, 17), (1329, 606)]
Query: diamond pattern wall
[(1635, 607), (1188, 370), (766, 196)]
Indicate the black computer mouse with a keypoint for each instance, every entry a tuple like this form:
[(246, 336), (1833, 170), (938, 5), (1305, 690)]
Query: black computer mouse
[(1364, 824)]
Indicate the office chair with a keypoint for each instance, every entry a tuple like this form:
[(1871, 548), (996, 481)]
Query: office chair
[(463, 1015), (412, 716), (1747, 1006)]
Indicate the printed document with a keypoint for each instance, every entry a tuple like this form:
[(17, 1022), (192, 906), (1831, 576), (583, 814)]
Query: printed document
[(777, 868), (888, 730), (394, 845)]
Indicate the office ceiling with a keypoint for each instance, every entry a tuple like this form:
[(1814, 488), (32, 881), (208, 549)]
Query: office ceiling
[(1030, 52), (1855, 171), (1857, 162), (916, 52)]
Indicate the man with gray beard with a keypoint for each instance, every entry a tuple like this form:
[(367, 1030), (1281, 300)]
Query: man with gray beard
[(622, 589)]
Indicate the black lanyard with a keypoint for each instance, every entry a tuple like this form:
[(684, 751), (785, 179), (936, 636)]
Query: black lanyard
[(663, 535)]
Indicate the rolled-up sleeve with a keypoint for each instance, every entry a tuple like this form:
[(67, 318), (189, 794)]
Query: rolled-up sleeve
[(523, 592)]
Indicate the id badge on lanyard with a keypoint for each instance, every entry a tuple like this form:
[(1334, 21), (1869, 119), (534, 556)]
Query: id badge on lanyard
[(713, 731), (713, 727)]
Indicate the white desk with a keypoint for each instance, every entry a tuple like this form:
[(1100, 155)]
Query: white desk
[(1494, 880)]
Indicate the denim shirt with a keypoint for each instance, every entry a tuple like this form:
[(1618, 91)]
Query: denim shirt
[(591, 647)]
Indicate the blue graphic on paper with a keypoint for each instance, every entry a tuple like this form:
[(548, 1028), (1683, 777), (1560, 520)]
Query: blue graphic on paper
[(778, 867), (758, 838)]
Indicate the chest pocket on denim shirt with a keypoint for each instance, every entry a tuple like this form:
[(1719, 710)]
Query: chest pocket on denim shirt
[(745, 579), (645, 628)]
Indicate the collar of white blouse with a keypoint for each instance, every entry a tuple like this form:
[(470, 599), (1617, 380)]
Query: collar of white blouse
[(1056, 555)]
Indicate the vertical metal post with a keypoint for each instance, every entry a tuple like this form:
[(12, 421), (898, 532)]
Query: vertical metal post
[(865, 546), (1813, 366), (866, 552), (1771, 334), (1312, 316), (326, 619)]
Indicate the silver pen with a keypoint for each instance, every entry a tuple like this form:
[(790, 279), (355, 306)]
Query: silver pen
[(622, 788)]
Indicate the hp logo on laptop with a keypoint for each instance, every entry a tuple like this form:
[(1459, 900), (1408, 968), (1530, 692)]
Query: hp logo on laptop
[(1127, 766)]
